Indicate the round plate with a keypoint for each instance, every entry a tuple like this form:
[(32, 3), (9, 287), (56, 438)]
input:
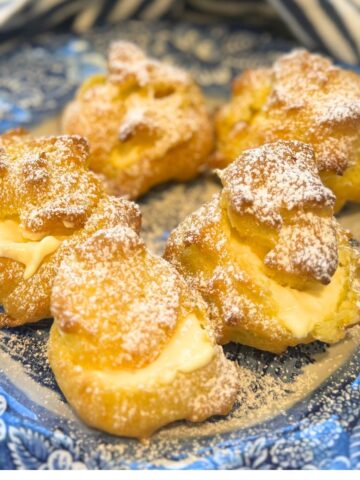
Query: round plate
[(300, 409)]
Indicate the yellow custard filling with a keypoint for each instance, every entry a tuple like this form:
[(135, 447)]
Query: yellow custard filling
[(189, 350), (298, 310), (25, 247)]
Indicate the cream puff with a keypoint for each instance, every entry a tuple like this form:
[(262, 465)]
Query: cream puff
[(267, 255), (129, 346), (146, 122), (304, 97)]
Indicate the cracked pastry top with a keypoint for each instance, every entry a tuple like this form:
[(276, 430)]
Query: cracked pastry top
[(49, 202), (267, 255), (304, 97), (129, 345), (146, 122)]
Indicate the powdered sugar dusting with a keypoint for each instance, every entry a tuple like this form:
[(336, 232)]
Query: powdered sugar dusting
[(303, 80), (134, 120), (190, 229), (302, 97), (127, 62), (278, 184), (306, 247), (226, 291), (340, 109), (3, 160), (276, 177), (327, 98), (46, 182), (138, 296), (111, 211)]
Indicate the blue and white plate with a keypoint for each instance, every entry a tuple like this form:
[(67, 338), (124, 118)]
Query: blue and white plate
[(297, 410)]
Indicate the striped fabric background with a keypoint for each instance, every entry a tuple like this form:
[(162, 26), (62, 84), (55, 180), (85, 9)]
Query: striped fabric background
[(330, 25)]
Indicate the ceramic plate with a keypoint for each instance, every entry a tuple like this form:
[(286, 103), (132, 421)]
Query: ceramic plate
[(297, 410)]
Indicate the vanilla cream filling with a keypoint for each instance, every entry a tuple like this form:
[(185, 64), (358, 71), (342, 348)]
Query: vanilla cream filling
[(299, 310), (25, 247), (189, 350)]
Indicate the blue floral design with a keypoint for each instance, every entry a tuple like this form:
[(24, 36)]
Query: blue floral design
[(324, 434), (31, 449)]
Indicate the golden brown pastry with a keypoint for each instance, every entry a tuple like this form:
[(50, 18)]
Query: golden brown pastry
[(128, 346), (146, 122), (302, 97), (274, 266), (49, 202)]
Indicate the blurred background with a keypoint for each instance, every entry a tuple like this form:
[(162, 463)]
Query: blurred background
[(327, 25), (48, 47)]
